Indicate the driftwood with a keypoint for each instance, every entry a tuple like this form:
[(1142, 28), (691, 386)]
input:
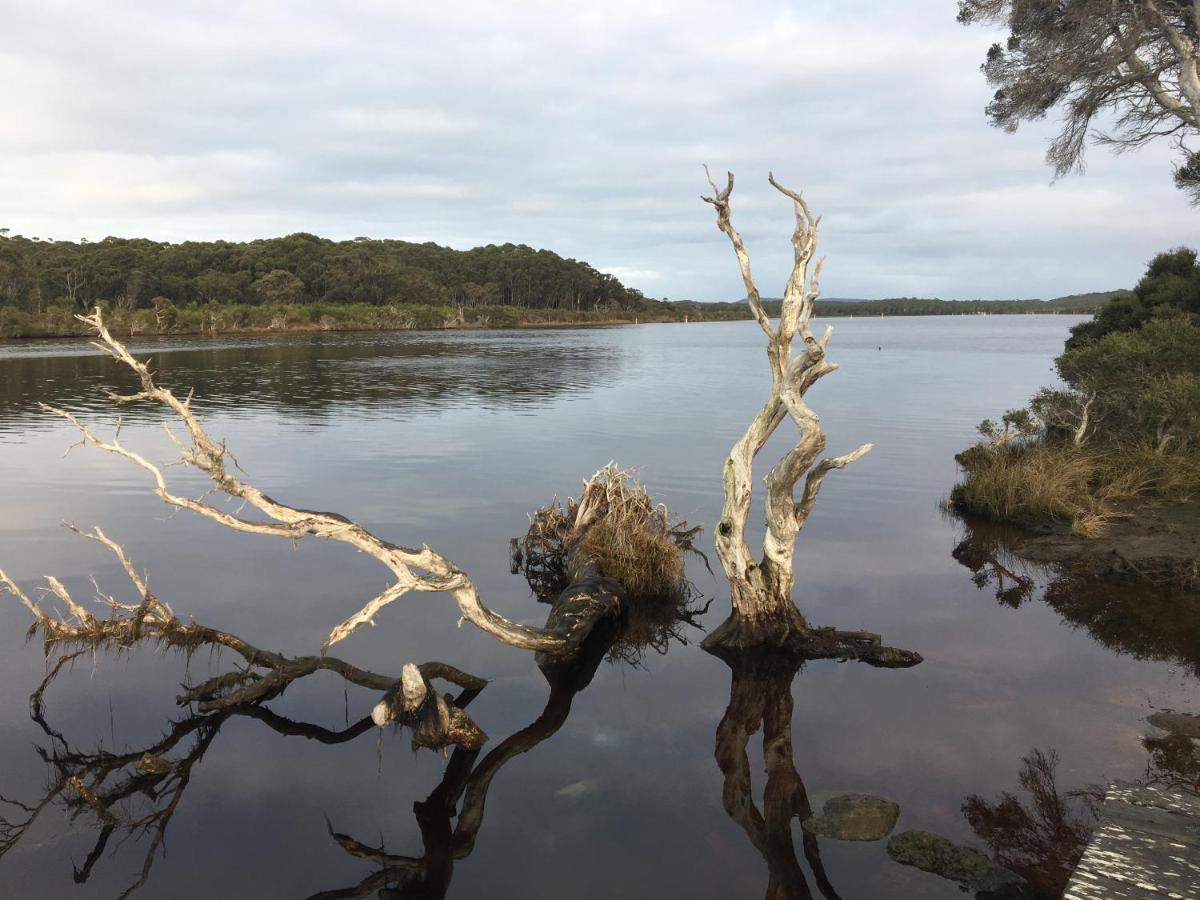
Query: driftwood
[(421, 570)]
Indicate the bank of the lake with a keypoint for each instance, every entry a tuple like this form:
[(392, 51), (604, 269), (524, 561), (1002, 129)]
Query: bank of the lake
[(165, 318)]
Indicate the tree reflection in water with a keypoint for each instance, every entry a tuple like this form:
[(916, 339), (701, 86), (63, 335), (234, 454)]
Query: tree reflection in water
[(1043, 838), (760, 696), (1139, 619), (138, 792)]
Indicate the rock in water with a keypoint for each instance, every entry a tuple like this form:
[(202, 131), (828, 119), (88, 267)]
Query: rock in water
[(854, 817), (971, 869)]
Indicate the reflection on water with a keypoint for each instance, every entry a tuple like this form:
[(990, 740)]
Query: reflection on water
[(309, 375), (760, 696), (136, 792), (450, 439), (1151, 623), (1041, 836)]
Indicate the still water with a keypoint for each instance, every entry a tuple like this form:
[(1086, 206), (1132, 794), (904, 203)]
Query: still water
[(451, 439)]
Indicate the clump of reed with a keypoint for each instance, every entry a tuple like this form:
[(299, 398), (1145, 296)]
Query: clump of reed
[(615, 529), (1042, 480)]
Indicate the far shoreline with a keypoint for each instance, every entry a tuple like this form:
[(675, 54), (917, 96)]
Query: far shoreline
[(63, 328)]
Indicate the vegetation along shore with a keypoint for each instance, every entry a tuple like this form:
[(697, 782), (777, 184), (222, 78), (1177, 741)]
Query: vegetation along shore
[(305, 283), (1114, 454)]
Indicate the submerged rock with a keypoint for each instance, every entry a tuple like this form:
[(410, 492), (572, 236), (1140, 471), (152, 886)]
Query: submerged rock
[(854, 817), (971, 869), (1176, 723)]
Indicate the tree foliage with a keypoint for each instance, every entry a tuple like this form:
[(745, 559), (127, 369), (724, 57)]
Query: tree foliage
[(131, 274), (1125, 72), (1172, 281), (1140, 358), (1126, 424)]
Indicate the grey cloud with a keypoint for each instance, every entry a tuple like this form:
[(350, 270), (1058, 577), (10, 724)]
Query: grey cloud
[(578, 129)]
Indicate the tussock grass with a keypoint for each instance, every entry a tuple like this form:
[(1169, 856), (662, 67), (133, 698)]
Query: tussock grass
[(1039, 480), (615, 529)]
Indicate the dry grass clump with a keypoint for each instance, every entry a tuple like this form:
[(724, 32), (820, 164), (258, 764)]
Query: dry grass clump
[(616, 530), (1040, 480)]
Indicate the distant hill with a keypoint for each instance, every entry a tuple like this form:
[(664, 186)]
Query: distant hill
[(908, 306)]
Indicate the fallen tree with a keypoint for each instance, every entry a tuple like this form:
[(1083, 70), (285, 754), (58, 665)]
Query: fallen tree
[(763, 611), (597, 526)]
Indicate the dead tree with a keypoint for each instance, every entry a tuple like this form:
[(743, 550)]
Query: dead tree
[(591, 597), (763, 611)]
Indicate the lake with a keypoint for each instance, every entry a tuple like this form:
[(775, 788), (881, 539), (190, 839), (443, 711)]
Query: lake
[(451, 439)]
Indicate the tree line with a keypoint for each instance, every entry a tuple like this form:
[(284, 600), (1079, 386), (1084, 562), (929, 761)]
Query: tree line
[(134, 273)]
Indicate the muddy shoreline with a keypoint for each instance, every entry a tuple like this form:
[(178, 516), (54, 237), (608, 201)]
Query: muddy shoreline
[(1153, 541)]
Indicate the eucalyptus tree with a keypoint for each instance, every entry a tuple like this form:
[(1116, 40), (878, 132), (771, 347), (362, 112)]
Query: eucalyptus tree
[(1124, 72)]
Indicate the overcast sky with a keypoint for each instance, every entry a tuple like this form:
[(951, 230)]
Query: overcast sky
[(576, 127)]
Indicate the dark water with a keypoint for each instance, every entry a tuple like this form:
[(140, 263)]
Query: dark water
[(451, 439)]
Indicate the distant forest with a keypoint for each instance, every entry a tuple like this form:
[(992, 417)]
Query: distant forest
[(303, 280), (131, 274), (922, 306)]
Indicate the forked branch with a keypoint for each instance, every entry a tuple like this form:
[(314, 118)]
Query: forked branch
[(762, 585), (421, 570)]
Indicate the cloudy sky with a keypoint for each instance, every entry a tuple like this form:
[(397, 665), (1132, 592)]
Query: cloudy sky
[(576, 127)]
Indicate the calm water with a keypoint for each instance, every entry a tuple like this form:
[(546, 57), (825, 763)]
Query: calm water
[(451, 439)]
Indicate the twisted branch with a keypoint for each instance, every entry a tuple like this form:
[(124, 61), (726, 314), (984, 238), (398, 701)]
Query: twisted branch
[(421, 570)]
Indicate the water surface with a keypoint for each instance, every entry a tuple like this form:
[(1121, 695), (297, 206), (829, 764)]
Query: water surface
[(450, 439)]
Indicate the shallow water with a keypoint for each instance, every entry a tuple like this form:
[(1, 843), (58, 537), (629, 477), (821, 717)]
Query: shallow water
[(450, 439)]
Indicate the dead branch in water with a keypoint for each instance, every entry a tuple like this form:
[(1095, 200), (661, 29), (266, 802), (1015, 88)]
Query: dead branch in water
[(409, 700), (420, 570)]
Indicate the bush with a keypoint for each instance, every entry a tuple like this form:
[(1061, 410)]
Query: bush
[(1127, 425)]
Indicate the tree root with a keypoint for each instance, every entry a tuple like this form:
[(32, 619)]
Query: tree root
[(739, 634)]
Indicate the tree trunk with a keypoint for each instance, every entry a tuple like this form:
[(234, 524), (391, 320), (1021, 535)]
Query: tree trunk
[(761, 587)]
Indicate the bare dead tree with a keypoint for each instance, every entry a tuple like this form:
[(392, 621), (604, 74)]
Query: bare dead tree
[(1132, 64), (763, 611), (420, 570)]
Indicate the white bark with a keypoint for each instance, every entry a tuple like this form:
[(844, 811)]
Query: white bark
[(762, 586), (420, 570)]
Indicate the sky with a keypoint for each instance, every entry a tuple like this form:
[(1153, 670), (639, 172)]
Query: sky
[(580, 128)]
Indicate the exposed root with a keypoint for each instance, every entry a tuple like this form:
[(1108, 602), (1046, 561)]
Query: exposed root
[(738, 635), (614, 531)]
